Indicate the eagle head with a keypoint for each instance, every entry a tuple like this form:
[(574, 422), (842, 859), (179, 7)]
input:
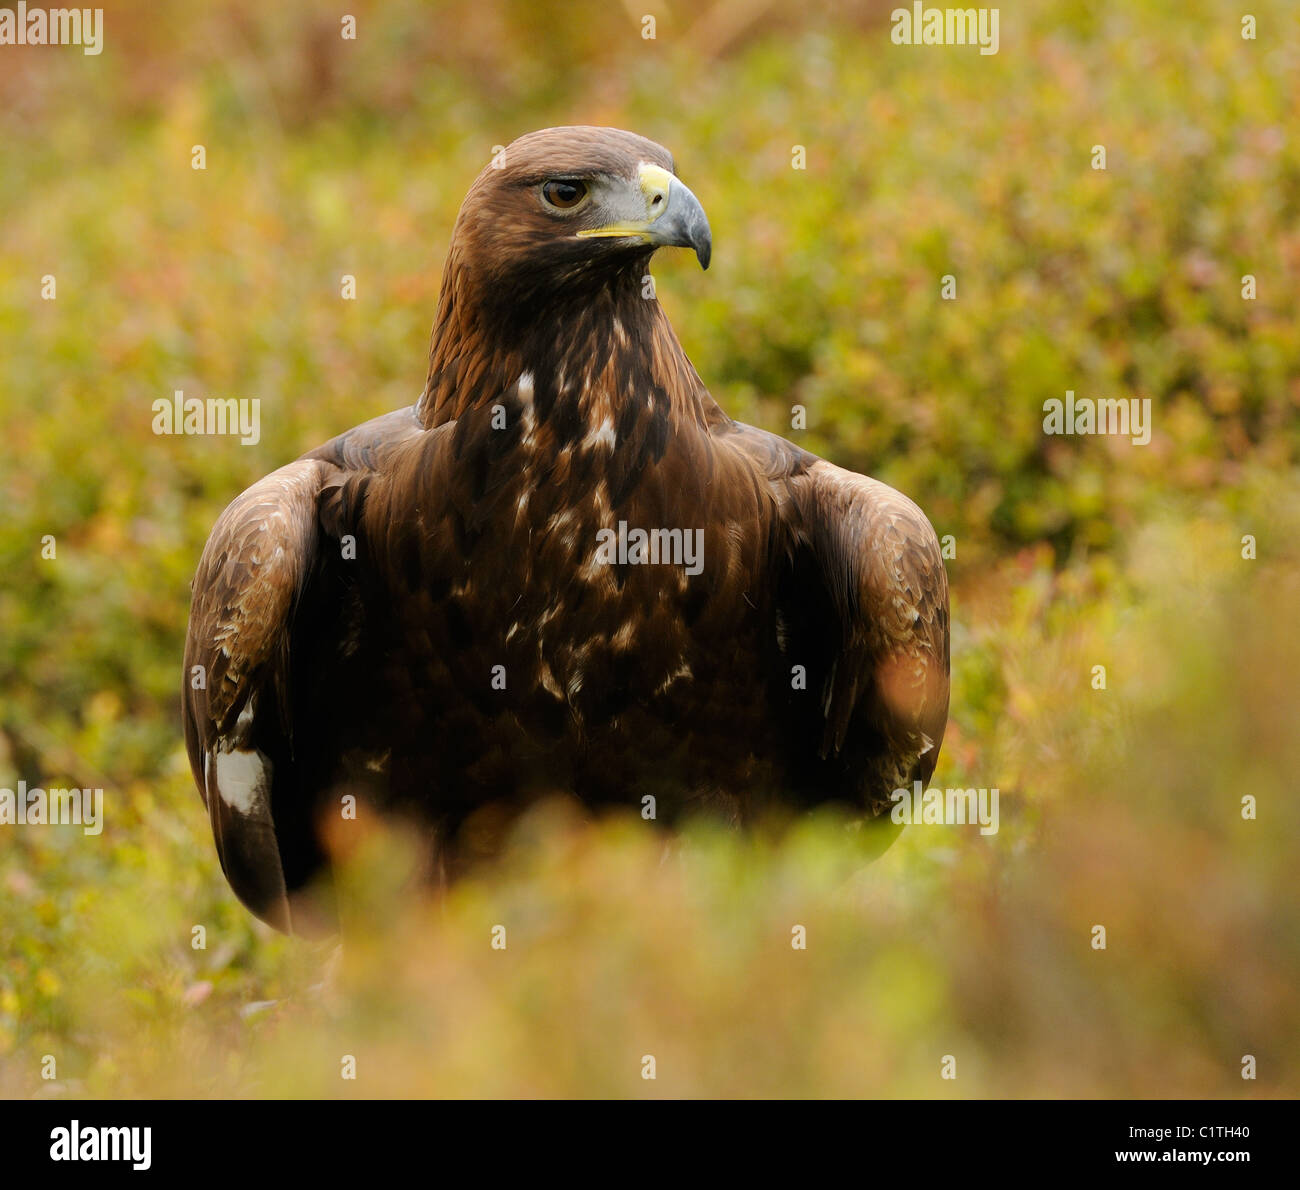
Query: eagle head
[(572, 206)]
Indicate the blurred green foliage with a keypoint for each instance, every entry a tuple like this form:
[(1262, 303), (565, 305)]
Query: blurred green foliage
[(1122, 807)]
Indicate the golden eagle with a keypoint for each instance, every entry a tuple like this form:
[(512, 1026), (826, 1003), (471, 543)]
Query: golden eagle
[(564, 569)]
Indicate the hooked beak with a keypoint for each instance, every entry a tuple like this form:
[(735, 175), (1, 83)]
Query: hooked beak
[(674, 217)]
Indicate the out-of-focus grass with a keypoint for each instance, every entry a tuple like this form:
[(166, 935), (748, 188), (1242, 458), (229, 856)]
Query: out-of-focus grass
[(1119, 808)]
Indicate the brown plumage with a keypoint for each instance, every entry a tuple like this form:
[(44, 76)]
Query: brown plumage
[(426, 613)]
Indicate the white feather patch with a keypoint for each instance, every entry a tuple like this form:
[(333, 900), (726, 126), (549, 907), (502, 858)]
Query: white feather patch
[(602, 435), (243, 779)]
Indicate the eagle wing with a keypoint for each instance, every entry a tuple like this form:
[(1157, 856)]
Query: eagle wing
[(238, 716), (862, 606), (881, 565)]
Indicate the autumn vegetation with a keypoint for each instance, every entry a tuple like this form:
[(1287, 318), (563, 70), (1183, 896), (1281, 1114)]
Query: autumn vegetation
[(1174, 565)]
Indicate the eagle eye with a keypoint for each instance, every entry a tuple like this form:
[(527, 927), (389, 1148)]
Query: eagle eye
[(564, 194)]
